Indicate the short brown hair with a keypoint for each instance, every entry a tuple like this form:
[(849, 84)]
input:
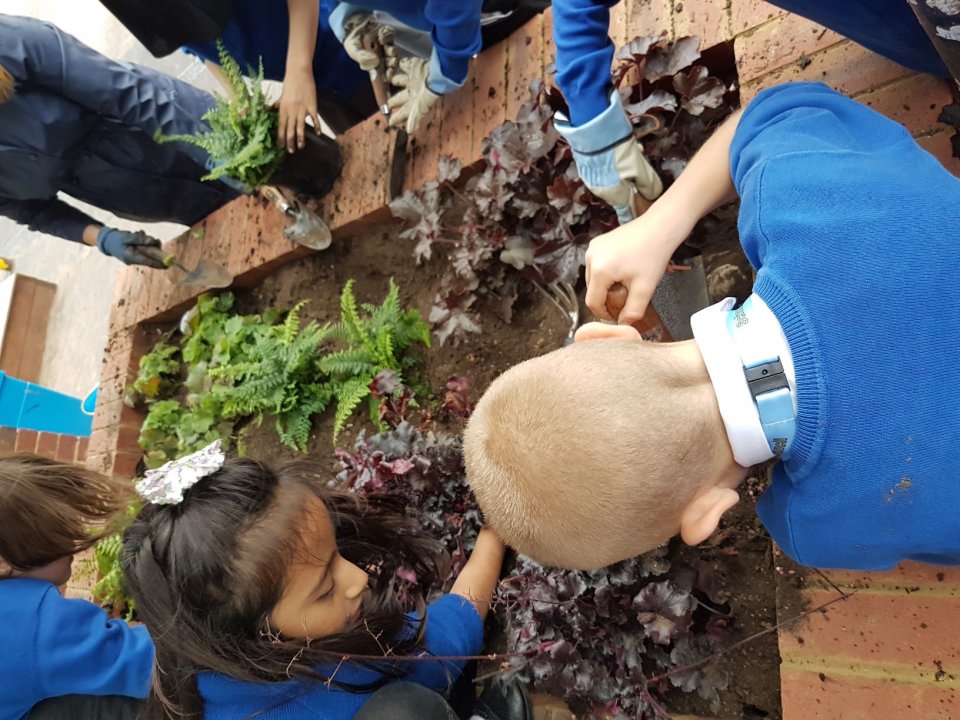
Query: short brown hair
[(7, 87), (587, 455), (49, 510)]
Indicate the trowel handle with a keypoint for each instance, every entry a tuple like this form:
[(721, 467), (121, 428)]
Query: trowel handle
[(650, 326), (273, 195), (157, 253)]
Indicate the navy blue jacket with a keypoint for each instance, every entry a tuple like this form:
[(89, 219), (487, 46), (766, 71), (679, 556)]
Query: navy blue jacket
[(585, 52), (83, 124)]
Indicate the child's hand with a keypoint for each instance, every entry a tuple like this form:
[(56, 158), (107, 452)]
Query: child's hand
[(636, 256), (298, 101)]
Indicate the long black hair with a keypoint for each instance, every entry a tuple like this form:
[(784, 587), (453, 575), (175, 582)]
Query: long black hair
[(206, 573)]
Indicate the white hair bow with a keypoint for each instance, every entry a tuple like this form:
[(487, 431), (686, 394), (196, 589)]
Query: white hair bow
[(166, 484)]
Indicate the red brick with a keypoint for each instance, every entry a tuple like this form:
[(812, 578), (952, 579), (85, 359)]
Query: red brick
[(423, 148), (83, 445), (67, 448), (489, 94), (524, 63), (939, 146), (8, 440), (829, 696), (780, 42), (458, 121), (125, 464), (861, 627), (846, 67), (549, 47), (914, 101), (100, 462), (103, 441), (107, 413), (47, 445), (633, 18), (26, 441), (128, 439), (708, 20), (747, 14)]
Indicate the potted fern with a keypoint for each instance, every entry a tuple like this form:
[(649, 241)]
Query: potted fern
[(242, 142)]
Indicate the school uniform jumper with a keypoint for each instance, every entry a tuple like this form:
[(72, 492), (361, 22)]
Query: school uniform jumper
[(83, 124), (585, 52), (259, 30), (453, 629), (851, 227), (54, 646)]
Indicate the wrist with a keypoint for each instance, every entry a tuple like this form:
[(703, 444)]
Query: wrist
[(91, 234)]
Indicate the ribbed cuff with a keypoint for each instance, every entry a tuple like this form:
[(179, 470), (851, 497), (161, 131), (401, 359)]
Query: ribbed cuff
[(609, 128)]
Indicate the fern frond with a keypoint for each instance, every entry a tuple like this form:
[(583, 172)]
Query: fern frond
[(349, 396)]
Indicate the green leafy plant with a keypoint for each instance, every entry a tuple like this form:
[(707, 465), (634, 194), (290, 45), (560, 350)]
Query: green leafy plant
[(242, 141), (278, 377), (157, 368), (376, 341), (109, 588), (238, 366)]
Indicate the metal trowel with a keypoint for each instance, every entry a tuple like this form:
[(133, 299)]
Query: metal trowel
[(205, 274), (307, 228)]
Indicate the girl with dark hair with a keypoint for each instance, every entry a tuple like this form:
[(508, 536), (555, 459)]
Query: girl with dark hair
[(271, 596), (61, 658)]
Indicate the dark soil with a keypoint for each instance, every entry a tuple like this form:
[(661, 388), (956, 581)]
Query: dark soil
[(739, 557)]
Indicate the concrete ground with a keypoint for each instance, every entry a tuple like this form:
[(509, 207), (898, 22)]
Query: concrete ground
[(85, 279)]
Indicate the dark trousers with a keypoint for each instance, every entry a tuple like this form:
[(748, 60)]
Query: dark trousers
[(87, 707), (405, 701)]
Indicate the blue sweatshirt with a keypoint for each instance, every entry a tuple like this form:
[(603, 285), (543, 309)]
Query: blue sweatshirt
[(54, 646), (454, 629), (852, 229), (585, 52), (261, 29), (454, 27)]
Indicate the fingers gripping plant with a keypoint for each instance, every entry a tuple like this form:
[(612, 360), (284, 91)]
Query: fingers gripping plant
[(243, 130)]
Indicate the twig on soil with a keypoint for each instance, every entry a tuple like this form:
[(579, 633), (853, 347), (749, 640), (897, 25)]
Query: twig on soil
[(745, 641)]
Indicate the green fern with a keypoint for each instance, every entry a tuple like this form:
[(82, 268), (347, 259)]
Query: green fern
[(349, 395), (242, 141)]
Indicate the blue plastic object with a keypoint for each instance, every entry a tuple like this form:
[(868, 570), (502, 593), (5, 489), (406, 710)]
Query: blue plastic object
[(27, 406)]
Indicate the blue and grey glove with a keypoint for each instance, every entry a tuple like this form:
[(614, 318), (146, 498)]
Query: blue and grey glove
[(129, 247), (610, 161)]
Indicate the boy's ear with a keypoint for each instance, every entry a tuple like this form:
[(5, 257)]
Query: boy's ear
[(700, 518), (606, 331), (5, 568)]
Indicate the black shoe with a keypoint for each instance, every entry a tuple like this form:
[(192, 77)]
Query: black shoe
[(504, 700)]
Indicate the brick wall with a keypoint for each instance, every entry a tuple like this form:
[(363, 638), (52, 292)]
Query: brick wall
[(65, 448)]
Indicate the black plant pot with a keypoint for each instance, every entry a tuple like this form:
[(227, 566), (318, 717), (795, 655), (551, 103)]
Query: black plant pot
[(311, 170)]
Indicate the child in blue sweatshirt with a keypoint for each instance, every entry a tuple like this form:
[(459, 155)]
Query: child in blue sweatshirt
[(842, 365), (271, 596), (60, 658)]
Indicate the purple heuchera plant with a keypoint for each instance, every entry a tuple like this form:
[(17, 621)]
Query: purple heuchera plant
[(526, 213), (595, 635)]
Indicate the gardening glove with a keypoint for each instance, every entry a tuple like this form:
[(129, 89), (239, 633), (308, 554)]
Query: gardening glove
[(415, 99), (125, 246), (609, 160), (351, 33)]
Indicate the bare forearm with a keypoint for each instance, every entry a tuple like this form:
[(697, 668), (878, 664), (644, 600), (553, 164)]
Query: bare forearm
[(478, 579), (705, 184), (90, 234), (302, 40)]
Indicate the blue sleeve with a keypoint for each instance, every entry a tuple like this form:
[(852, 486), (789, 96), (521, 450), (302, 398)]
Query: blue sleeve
[(584, 55), (454, 629), (456, 37), (39, 54), (203, 51), (52, 216), (81, 651), (805, 117)]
